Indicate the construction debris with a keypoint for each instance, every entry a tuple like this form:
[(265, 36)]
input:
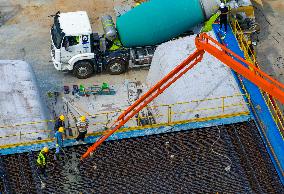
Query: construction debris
[(81, 90)]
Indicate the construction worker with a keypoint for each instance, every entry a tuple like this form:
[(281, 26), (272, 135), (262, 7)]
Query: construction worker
[(82, 126), (116, 44), (59, 142), (137, 4), (208, 24), (41, 161), (224, 10), (77, 40), (59, 123)]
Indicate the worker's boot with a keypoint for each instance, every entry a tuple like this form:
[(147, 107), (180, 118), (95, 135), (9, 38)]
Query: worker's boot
[(82, 142)]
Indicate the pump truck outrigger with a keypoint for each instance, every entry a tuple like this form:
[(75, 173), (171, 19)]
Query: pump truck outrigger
[(76, 48)]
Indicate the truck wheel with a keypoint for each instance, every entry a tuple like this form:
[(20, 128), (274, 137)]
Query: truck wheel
[(116, 67), (83, 69)]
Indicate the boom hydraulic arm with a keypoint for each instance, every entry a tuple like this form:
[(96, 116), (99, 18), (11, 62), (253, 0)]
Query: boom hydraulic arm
[(203, 43)]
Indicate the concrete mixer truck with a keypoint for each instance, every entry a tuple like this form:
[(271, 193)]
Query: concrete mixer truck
[(131, 43)]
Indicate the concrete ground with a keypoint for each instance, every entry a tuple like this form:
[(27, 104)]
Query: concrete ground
[(24, 35), (270, 50)]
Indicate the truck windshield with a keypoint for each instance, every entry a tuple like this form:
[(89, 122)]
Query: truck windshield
[(56, 33)]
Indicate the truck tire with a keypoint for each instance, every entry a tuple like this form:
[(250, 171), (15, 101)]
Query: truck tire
[(83, 69), (116, 66)]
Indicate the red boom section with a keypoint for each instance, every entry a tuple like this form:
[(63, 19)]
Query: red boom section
[(203, 43), (235, 62), (156, 90)]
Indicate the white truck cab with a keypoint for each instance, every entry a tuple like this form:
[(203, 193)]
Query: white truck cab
[(71, 43), (76, 48)]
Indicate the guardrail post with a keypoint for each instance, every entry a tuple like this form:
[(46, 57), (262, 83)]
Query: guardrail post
[(107, 119), (235, 27), (169, 114), (223, 104)]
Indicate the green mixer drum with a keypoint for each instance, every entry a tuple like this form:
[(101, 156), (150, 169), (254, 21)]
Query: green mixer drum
[(157, 21)]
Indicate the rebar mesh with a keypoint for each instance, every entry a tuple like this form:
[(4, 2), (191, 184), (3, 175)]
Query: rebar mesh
[(223, 159)]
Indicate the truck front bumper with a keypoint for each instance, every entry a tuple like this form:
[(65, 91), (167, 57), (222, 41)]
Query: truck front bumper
[(56, 64), (61, 66)]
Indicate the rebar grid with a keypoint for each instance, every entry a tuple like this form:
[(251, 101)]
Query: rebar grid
[(180, 162)]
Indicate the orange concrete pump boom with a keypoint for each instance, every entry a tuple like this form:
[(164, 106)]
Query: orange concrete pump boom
[(203, 43)]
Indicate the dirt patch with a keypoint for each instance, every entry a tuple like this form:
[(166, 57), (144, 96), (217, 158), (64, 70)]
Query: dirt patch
[(25, 36), (7, 12), (277, 5), (38, 11), (269, 50)]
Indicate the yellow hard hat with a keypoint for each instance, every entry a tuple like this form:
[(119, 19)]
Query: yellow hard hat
[(137, 4), (83, 118), (61, 117), (45, 149), (61, 129)]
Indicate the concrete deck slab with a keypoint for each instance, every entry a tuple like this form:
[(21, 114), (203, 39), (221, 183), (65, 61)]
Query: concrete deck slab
[(19, 102), (208, 79)]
